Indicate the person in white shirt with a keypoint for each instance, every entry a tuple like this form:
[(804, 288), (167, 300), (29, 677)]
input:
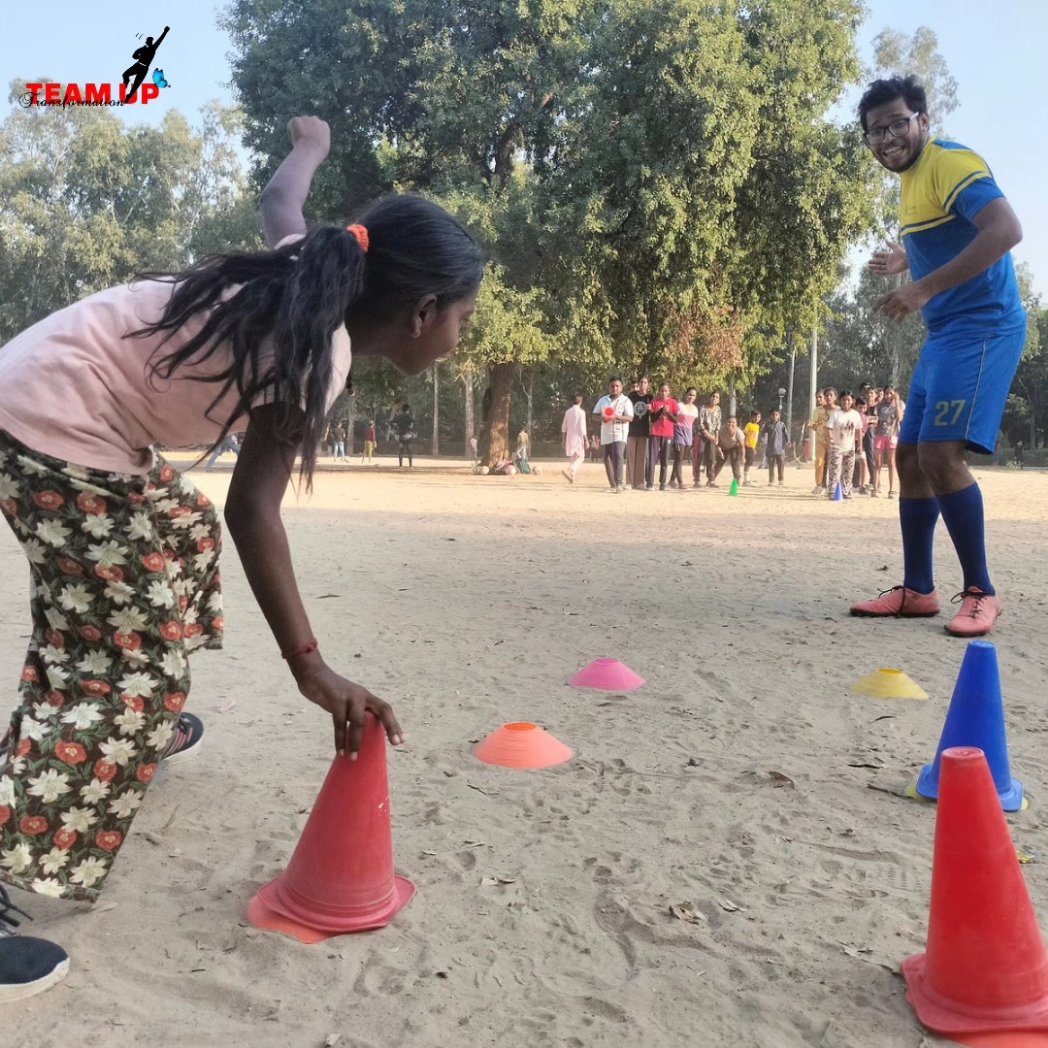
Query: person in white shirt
[(615, 412), (844, 427), (574, 429)]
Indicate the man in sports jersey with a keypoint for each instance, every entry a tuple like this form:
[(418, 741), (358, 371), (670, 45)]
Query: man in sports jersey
[(957, 230)]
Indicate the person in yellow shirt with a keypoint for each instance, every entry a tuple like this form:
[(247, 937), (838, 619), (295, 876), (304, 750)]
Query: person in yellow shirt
[(820, 439), (751, 432)]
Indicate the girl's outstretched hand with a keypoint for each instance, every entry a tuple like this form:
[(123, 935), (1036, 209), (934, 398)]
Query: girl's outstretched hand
[(310, 131), (347, 703)]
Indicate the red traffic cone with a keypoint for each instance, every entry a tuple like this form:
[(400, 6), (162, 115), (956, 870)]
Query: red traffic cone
[(340, 878), (986, 967)]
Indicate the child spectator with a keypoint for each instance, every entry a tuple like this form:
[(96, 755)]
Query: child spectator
[(752, 433), (777, 441), (845, 430), (731, 447), (661, 415), (683, 436), (817, 427), (370, 442)]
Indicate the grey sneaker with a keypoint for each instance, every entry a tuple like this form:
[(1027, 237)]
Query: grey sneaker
[(186, 742), (27, 966)]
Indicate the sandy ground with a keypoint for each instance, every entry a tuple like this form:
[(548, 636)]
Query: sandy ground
[(468, 601)]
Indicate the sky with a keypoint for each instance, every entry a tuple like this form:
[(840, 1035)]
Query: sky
[(995, 53)]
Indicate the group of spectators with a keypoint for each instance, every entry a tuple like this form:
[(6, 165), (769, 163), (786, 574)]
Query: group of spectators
[(400, 429), (651, 437), (854, 437)]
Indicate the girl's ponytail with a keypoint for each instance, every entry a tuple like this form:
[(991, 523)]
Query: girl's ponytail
[(295, 298), (327, 280)]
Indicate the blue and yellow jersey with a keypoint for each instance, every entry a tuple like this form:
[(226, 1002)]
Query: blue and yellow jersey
[(941, 195)]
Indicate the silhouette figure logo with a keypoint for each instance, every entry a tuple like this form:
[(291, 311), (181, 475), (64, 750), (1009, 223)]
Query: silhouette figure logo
[(137, 72)]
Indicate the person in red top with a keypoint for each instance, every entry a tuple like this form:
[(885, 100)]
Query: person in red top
[(661, 415), (370, 442)]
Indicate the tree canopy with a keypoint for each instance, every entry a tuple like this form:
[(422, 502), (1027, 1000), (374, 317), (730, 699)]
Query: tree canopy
[(654, 180), (86, 202)]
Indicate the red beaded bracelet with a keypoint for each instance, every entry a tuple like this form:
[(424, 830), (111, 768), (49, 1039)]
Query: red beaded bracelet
[(303, 649)]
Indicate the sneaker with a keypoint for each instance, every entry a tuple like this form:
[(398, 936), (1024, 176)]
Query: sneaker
[(189, 734), (567, 476), (874, 493), (818, 490), (900, 602), (979, 611), (27, 966), (891, 494)]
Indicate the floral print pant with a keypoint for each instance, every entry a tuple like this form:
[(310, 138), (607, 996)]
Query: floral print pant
[(124, 584)]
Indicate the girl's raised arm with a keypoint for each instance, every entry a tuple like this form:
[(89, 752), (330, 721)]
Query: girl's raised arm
[(286, 192)]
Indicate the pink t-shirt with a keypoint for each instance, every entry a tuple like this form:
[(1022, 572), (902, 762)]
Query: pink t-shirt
[(73, 388)]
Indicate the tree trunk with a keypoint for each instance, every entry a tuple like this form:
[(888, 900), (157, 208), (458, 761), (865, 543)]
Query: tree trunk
[(789, 391), (435, 443), (813, 385), (496, 434), (529, 393), (470, 424), (351, 418)]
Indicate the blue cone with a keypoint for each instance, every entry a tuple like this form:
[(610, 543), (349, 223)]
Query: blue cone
[(976, 718), (838, 495)]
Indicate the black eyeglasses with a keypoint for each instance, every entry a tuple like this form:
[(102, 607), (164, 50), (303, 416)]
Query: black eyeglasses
[(896, 129)]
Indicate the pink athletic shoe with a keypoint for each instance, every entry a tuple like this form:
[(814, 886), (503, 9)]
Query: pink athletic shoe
[(979, 612), (901, 602)]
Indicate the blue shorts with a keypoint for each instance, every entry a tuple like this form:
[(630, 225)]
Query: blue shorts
[(960, 387)]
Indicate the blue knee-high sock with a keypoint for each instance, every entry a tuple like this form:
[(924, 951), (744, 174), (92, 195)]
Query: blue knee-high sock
[(962, 512), (917, 519)]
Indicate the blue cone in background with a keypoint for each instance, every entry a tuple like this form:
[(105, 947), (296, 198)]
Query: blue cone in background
[(976, 718)]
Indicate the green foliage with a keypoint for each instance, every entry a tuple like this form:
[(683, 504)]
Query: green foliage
[(86, 202), (717, 202), (896, 54), (655, 181)]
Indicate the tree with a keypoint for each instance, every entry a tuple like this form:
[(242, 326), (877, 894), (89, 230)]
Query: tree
[(715, 199), (896, 54), (655, 181), (446, 98), (86, 203), (1028, 404)]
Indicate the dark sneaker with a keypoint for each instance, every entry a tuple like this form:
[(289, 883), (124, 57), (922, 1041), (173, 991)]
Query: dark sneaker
[(189, 734), (27, 966)]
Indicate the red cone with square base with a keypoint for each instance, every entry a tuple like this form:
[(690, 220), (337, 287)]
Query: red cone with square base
[(986, 968), (340, 878)]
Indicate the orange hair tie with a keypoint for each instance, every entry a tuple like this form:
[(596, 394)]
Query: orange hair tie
[(361, 233)]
